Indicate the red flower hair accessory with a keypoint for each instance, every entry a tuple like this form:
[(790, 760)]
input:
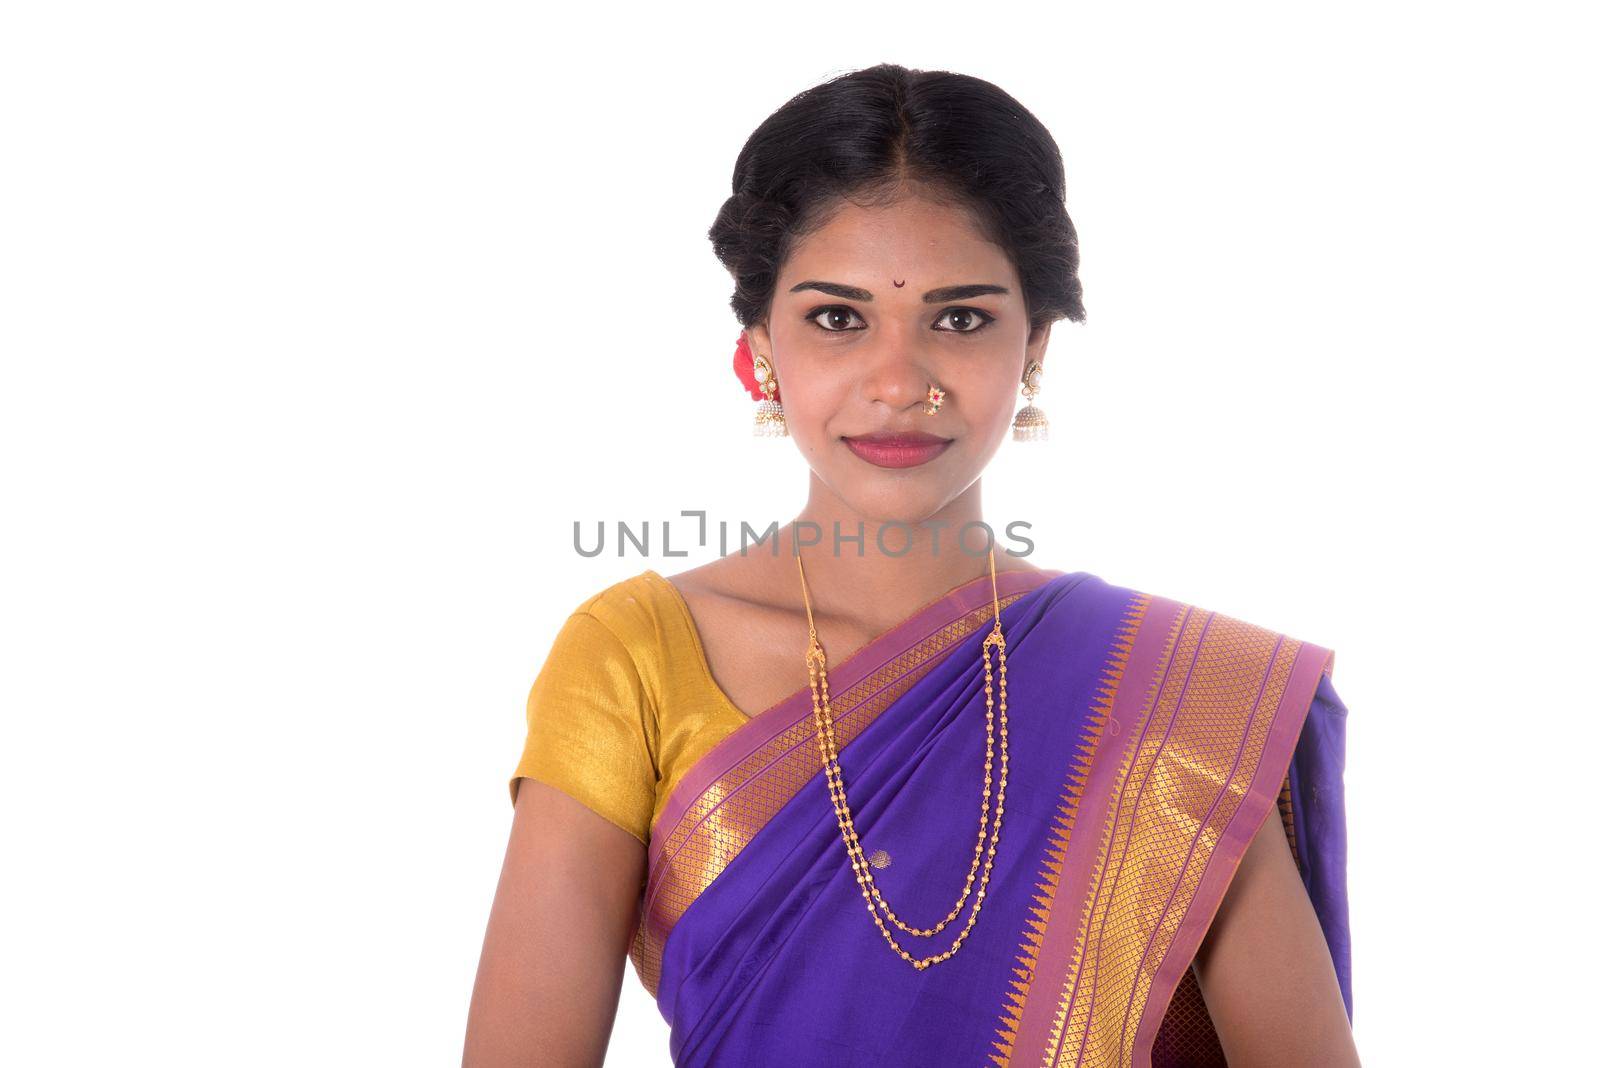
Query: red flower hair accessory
[(744, 365)]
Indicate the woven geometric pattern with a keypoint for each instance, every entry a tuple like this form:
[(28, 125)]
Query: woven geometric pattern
[(733, 809), (1220, 683), (1188, 1038), (1049, 876)]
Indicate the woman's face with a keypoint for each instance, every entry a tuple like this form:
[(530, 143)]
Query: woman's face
[(867, 312)]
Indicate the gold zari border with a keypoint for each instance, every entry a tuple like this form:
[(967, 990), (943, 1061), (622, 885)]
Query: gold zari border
[(1220, 682)]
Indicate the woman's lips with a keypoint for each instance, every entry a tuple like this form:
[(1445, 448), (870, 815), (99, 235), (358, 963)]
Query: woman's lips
[(897, 450)]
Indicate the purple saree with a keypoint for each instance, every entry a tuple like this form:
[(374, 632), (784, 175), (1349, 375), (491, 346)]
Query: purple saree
[(1148, 741)]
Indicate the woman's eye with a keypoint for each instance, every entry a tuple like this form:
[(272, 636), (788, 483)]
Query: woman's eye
[(836, 319), (965, 320)]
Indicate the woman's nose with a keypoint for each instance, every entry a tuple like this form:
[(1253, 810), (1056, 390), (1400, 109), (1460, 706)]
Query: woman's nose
[(898, 375)]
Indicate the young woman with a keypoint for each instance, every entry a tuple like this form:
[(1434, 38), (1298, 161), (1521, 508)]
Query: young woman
[(760, 778)]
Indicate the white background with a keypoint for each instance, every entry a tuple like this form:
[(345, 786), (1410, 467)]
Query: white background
[(322, 323)]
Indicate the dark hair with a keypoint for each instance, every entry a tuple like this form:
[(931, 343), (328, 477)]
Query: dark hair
[(864, 136)]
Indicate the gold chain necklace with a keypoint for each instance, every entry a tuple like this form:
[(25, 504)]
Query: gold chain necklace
[(822, 710)]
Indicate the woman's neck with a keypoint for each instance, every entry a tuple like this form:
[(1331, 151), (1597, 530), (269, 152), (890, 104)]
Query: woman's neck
[(894, 567)]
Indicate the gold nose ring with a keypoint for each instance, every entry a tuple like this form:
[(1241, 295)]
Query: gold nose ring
[(935, 400)]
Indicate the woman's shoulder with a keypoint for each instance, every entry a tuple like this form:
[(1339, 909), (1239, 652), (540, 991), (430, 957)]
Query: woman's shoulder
[(635, 609), (1214, 645), (1214, 617)]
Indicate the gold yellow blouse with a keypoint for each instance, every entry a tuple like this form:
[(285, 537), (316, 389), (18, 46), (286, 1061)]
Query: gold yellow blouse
[(625, 704)]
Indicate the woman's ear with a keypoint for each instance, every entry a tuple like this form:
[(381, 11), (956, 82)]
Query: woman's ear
[(1038, 338), (760, 341)]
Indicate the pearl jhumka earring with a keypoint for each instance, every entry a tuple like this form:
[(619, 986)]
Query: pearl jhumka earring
[(770, 422), (1030, 423)]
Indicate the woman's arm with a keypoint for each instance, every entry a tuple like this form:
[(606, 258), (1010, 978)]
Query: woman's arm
[(557, 942), (1265, 970)]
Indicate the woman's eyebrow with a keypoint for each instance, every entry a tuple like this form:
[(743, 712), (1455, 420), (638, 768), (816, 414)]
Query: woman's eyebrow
[(932, 296)]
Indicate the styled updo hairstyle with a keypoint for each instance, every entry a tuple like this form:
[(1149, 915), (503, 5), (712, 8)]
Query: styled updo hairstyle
[(862, 136)]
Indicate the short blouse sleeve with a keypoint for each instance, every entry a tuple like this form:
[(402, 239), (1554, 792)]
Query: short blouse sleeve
[(588, 718)]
